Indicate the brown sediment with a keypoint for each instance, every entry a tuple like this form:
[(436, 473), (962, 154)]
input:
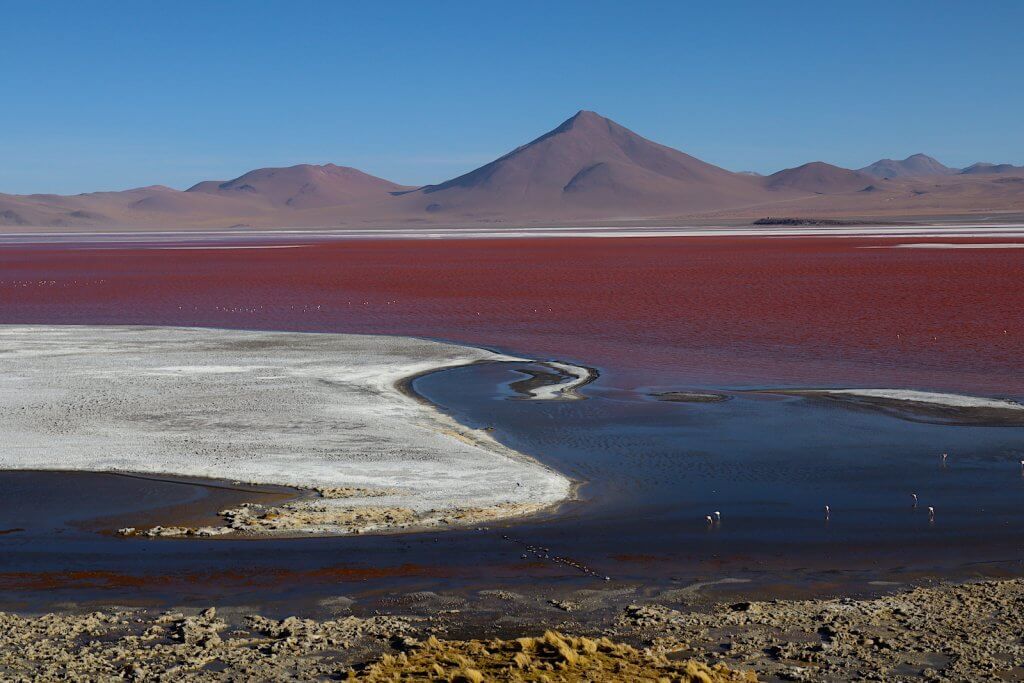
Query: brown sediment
[(306, 518), (551, 657), (81, 580), (202, 513), (92, 579)]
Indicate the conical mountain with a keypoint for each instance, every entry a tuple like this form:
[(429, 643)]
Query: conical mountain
[(590, 165)]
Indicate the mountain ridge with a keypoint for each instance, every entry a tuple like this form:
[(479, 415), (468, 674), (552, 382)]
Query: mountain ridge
[(586, 168), (915, 166)]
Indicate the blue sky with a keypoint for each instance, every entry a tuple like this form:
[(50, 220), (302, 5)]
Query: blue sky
[(110, 95)]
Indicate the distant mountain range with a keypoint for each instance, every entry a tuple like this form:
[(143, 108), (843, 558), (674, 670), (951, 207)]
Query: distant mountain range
[(914, 166), (922, 166), (588, 168), (982, 168)]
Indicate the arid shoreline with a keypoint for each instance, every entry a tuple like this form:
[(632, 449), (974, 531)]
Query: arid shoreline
[(941, 633)]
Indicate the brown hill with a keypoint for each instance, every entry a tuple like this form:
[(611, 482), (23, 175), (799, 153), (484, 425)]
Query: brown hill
[(589, 165), (140, 207), (914, 166), (819, 178), (984, 168), (301, 187)]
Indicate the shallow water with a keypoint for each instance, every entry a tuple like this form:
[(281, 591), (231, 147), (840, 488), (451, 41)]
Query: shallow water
[(655, 469), (651, 470)]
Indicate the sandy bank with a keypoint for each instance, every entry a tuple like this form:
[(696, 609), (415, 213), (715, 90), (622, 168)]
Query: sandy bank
[(926, 406), (930, 397), (314, 411)]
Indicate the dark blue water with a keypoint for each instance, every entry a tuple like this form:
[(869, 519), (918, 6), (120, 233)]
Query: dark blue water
[(650, 472), (769, 464)]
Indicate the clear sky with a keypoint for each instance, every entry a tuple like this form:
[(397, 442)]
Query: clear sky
[(111, 95)]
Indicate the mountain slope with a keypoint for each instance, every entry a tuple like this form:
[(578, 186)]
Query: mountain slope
[(914, 166), (590, 165)]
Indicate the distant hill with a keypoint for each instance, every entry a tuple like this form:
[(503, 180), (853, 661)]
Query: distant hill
[(819, 178), (914, 166), (302, 186), (983, 168)]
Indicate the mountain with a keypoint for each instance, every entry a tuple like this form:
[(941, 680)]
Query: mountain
[(302, 186), (155, 205), (983, 168), (588, 168), (914, 166), (819, 178), (589, 165)]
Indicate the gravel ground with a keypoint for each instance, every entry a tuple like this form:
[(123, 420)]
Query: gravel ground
[(969, 632)]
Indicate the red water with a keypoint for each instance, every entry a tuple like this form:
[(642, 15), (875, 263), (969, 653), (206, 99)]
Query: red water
[(665, 311)]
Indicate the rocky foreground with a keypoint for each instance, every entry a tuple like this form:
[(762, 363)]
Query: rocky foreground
[(955, 633)]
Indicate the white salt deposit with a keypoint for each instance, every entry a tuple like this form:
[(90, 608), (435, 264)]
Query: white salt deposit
[(934, 398), (306, 410), (575, 377)]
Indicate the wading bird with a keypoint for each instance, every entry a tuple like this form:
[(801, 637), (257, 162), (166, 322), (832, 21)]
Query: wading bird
[(718, 516), (828, 513), (914, 497), (931, 514)]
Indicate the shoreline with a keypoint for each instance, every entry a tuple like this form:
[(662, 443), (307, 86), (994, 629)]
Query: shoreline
[(206, 237), (392, 491), (911, 634)]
